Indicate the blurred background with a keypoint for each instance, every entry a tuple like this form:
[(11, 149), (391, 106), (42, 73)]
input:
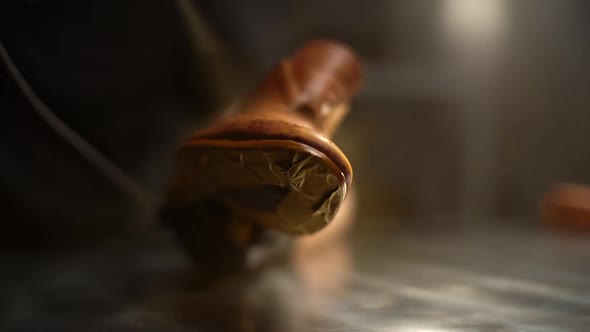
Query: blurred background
[(471, 109)]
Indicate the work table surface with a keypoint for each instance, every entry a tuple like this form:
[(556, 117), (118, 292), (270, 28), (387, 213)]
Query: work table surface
[(486, 279)]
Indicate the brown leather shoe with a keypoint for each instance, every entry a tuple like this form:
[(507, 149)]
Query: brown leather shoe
[(270, 164)]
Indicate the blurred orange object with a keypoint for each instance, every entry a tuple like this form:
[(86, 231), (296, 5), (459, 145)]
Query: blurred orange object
[(567, 206)]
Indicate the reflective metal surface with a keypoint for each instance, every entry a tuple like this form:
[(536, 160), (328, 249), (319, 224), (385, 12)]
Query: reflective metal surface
[(443, 280)]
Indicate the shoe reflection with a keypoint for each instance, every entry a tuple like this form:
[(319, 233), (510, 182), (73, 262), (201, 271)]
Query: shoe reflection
[(283, 297), (322, 261)]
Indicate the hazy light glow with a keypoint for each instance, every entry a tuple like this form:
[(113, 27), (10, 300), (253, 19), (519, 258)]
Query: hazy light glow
[(474, 21)]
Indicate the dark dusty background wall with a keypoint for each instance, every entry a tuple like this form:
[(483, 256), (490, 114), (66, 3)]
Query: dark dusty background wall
[(470, 109)]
